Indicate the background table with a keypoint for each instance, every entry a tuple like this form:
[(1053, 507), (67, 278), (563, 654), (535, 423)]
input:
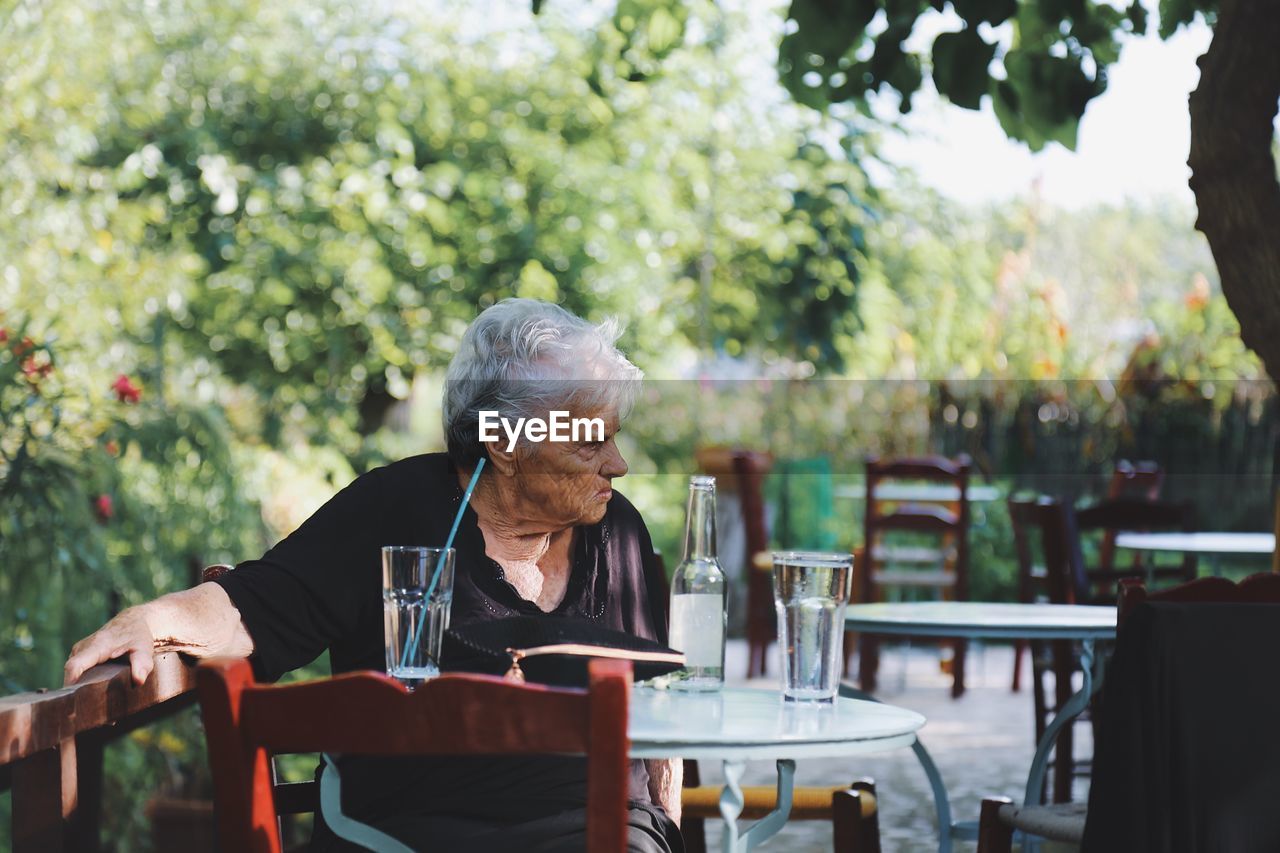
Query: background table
[(1212, 545), (989, 621), (736, 725)]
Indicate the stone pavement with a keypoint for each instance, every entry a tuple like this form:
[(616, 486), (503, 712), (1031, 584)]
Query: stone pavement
[(982, 744)]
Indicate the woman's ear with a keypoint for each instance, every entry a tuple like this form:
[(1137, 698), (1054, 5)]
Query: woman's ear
[(503, 461)]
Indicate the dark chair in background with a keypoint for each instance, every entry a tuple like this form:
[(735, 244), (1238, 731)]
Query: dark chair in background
[(1043, 527), (1063, 577), (1135, 480), (1139, 804), (1109, 517), (941, 568), (1131, 482)]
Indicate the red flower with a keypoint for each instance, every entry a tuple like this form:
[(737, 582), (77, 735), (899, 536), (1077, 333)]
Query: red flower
[(23, 347), (126, 391), (103, 508), (112, 448), (4, 334)]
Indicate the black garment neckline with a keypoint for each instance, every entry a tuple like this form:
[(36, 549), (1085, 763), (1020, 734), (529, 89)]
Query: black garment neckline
[(580, 563)]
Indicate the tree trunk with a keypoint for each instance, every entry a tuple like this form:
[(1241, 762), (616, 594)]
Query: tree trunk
[(1233, 172)]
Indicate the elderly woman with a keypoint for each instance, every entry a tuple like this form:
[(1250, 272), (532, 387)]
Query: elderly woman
[(544, 534)]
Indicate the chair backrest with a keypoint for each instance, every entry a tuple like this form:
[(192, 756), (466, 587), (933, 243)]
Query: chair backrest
[(1263, 587), (369, 713), (1136, 479), (1065, 579), (1113, 515), (948, 518), (1141, 480), (1185, 757)]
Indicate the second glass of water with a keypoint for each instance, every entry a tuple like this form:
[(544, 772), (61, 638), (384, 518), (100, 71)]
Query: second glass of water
[(415, 621), (810, 591)]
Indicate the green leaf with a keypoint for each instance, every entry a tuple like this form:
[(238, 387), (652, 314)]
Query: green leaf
[(960, 62)]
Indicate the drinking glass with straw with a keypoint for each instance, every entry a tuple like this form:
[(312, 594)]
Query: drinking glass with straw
[(417, 591)]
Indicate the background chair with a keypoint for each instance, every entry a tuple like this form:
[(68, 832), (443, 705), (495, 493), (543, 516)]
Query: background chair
[(246, 723), (1198, 779), (1130, 481), (1114, 515), (1045, 527), (942, 569), (1135, 480)]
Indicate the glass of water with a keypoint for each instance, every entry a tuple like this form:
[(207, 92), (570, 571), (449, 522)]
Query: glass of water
[(414, 621), (810, 590)]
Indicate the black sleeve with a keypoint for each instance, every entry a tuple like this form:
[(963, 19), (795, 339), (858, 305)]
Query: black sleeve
[(308, 590)]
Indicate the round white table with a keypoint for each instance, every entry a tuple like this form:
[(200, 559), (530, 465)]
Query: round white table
[(989, 621), (1212, 545), (736, 725)]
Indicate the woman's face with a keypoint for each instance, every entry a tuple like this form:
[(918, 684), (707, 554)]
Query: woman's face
[(569, 483)]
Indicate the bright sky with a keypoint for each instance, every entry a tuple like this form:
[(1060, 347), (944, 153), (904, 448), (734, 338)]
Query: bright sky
[(1133, 141)]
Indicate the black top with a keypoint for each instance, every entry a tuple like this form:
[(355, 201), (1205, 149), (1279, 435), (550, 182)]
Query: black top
[(321, 587), (1187, 760)]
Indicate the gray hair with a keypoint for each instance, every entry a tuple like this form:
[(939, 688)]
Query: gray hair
[(522, 358)]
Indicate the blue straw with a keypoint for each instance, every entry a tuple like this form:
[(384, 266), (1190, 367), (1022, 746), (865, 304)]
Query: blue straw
[(415, 633)]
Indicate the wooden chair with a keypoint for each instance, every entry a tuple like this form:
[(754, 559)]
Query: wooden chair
[(1057, 576), (946, 568), (1111, 516), (1000, 817), (1130, 483), (1138, 480), (247, 723)]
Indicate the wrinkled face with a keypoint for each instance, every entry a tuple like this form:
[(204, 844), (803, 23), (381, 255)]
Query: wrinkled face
[(568, 483)]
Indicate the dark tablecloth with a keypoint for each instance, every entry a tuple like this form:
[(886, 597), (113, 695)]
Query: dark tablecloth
[(1188, 757)]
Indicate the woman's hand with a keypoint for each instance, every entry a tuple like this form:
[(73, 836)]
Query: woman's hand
[(126, 634), (201, 622)]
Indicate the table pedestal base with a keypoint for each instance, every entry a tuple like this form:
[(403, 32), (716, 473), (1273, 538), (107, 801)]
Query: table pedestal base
[(732, 802)]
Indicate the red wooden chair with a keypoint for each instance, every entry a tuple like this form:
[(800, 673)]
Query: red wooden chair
[(945, 569), (1000, 817), (246, 723)]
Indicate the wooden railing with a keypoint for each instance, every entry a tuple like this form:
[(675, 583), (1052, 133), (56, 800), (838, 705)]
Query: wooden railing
[(51, 745)]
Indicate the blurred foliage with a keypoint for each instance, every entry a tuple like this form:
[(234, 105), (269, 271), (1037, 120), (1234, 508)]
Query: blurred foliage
[(1039, 61)]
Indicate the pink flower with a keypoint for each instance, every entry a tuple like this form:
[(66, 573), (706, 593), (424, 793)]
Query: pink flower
[(103, 508), (126, 391)]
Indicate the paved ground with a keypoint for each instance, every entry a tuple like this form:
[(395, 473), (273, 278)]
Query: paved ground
[(982, 744)]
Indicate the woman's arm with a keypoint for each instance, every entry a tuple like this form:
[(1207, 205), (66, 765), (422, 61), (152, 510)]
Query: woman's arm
[(666, 778), (201, 622)]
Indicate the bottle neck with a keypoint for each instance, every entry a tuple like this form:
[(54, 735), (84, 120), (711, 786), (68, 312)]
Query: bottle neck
[(700, 527)]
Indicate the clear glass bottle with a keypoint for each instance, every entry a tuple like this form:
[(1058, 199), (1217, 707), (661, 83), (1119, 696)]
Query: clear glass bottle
[(698, 595)]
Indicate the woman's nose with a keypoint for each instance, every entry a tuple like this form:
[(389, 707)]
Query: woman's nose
[(614, 464)]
